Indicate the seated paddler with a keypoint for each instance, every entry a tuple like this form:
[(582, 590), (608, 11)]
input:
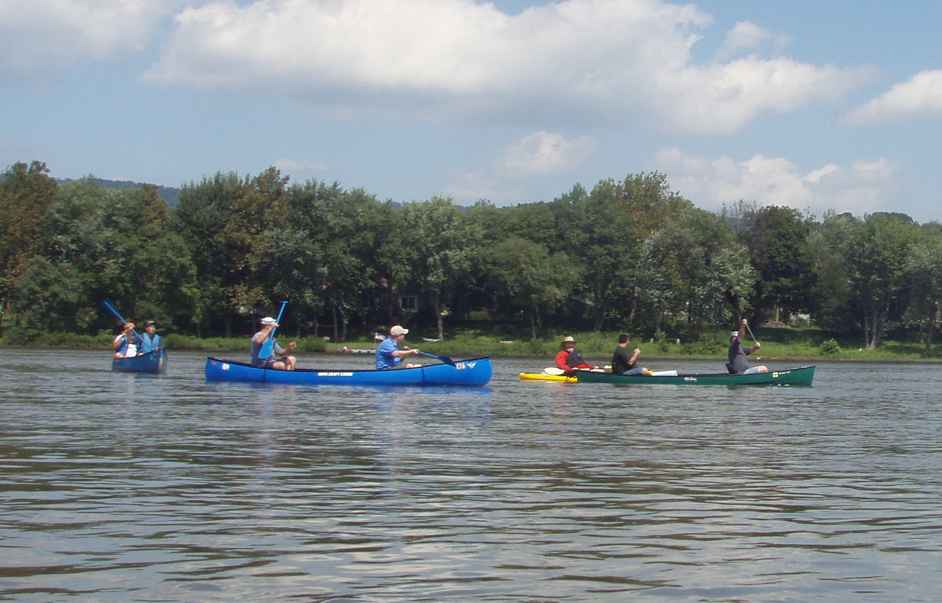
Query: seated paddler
[(150, 340), (568, 359), (625, 363), (266, 353), (126, 344), (736, 357), (390, 352)]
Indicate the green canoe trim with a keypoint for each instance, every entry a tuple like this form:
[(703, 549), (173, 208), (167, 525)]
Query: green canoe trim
[(803, 375)]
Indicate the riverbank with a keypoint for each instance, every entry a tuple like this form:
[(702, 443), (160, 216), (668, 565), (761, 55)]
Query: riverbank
[(778, 345)]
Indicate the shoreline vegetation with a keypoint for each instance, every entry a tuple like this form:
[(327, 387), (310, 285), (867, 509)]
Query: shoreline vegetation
[(778, 345), (628, 254)]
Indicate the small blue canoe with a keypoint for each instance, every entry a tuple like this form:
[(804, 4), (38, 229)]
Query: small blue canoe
[(470, 372), (151, 362)]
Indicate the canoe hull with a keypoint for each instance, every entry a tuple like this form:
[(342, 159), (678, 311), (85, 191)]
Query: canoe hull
[(151, 362), (545, 377), (474, 372), (796, 376)]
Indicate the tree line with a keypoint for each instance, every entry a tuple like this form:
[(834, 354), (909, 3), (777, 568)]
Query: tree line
[(629, 254)]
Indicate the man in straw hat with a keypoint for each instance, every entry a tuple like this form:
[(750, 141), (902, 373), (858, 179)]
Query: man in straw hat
[(568, 359)]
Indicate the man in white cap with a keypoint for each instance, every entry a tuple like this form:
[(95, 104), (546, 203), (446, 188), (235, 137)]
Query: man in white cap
[(388, 354), (266, 353)]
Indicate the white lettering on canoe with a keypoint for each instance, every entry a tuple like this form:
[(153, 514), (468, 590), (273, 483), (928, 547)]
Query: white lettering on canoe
[(225, 366), (465, 365), (335, 374), (690, 379), (775, 375)]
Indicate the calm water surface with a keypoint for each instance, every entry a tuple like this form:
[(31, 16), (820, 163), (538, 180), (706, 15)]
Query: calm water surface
[(120, 487)]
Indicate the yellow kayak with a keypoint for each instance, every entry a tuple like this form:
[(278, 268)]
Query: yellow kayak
[(545, 377)]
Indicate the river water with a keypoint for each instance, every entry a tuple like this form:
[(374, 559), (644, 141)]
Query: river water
[(117, 487)]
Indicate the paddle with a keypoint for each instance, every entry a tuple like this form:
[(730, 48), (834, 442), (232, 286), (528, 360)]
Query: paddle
[(754, 340), (444, 359), (114, 311)]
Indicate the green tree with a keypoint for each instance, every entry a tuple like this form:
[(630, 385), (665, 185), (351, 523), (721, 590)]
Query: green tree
[(777, 239), (531, 278), (26, 193), (878, 270), (925, 274), (595, 231), (831, 244), (435, 249)]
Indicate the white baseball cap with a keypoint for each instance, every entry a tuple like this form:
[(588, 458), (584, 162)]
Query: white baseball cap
[(397, 330), (268, 320)]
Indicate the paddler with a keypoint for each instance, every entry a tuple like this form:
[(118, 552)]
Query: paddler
[(125, 345), (624, 363), (266, 353), (568, 359), (736, 358), (150, 340), (389, 353)]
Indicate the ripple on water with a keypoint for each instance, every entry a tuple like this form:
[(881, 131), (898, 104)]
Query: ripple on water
[(118, 487)]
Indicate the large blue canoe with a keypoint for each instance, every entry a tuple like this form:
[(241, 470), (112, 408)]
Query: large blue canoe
[(470, 372), (151, 362)]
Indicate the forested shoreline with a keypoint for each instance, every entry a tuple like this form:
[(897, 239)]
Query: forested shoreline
[(626, 254)]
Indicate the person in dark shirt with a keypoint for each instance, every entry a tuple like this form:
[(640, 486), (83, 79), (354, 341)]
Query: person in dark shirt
[(624, 363), (736, 356)]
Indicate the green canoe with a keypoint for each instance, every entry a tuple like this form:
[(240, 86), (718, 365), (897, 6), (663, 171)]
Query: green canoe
[(795, 376)]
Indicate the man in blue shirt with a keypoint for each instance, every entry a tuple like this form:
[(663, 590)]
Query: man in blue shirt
[(388, 354), (150, 340), (266, 353)]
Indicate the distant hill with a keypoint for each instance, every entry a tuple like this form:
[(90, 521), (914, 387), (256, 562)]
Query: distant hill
[(169, 194)]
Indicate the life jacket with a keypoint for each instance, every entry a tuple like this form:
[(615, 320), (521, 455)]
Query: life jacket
[(149, 343), (261, 352)]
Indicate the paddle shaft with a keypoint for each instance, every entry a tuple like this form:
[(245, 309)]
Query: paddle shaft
[(114, 311), (281, 312), (750, 334), (444, 359)]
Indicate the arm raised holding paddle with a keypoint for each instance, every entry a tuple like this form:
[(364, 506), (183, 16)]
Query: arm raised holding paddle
[(266, 353), (736, 357)]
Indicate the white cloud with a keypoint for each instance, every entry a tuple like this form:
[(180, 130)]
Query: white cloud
[(300, 168), (540, 154), (593, 59), (543, 152), (476, 185), (920, 96), (36, 35), (861, 187), (746, 36)]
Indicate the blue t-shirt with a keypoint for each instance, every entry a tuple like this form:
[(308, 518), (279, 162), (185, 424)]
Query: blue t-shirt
[(384, 354), (148, 343)]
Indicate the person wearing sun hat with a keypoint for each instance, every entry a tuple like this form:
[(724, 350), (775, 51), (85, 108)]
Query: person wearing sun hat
[(389, 354), (568, 359)]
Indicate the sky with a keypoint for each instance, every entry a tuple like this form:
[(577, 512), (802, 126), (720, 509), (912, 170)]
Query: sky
[(820, 106)]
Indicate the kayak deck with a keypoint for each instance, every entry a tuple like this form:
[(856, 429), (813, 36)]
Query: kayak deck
[(545, 377)]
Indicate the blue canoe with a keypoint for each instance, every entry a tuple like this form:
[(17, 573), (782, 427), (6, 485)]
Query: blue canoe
[(151, 362), (470, 372)]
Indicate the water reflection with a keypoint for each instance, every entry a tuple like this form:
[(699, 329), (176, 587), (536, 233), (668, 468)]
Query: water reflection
[(121, 487)]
